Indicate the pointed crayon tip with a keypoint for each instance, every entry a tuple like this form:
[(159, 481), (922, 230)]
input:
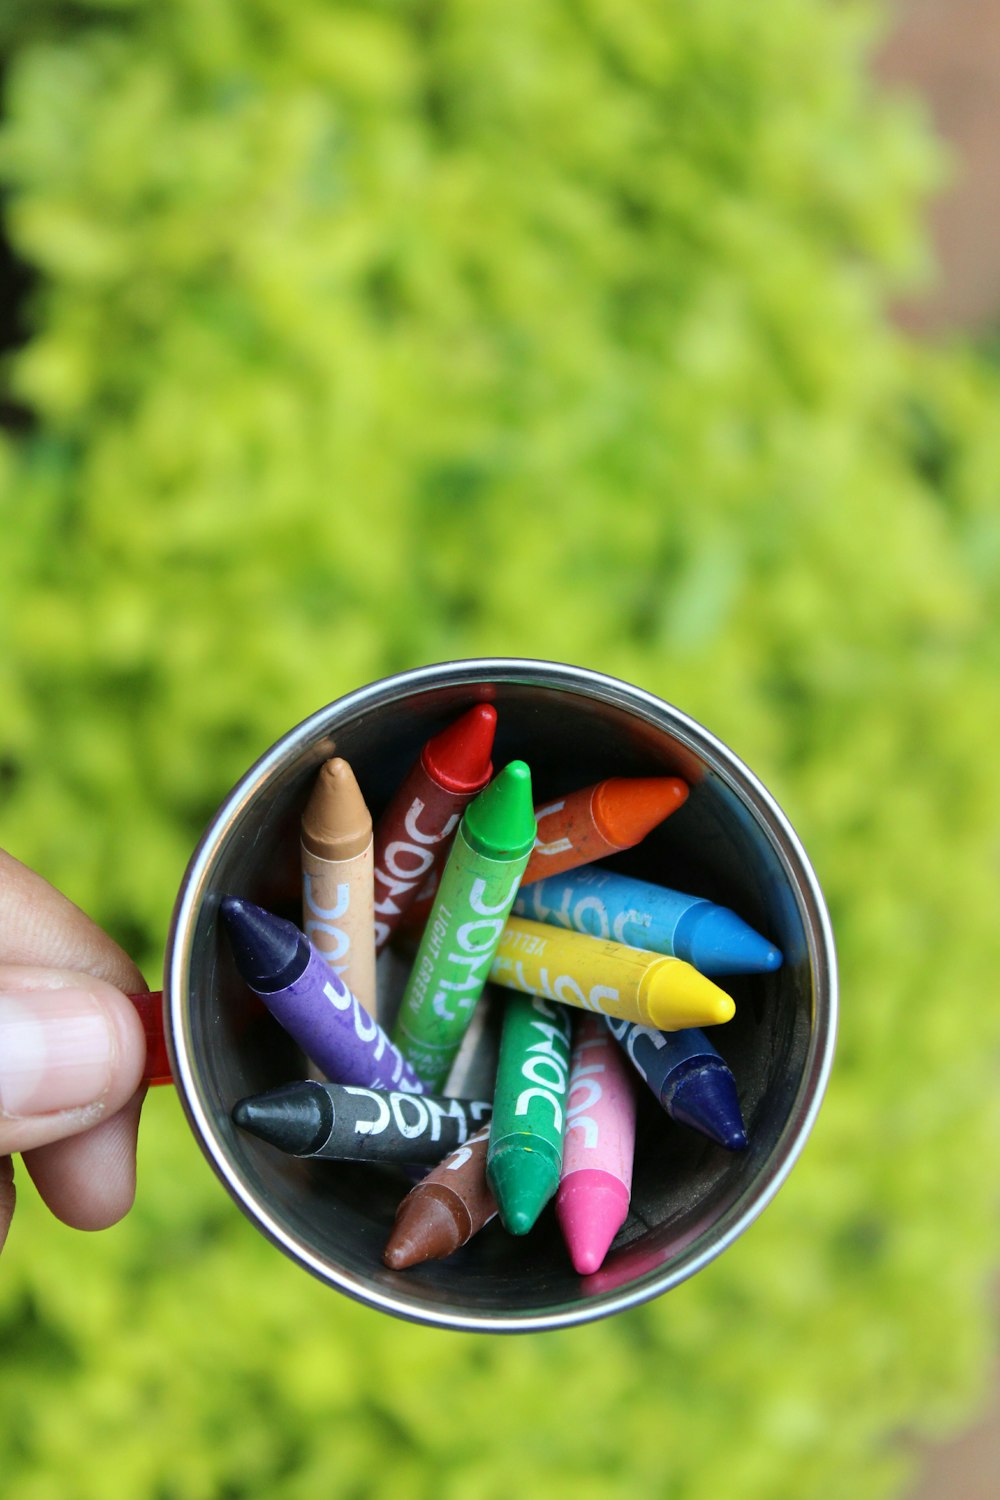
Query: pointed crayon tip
[(292, 1118), (500, 822), (706, 1099), (716, 941), (459, 757), (522, 1181), (591, 1207), (425, 1229), (627, 808), (679, 997), (336, 823), (264, 946)]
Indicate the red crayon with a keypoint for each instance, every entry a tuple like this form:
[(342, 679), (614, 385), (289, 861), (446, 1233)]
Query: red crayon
[(414, 832), (598, 820)]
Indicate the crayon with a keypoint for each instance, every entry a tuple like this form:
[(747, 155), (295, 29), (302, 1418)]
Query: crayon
[(445, 1210), (337, 876), (604, 904), (609, 977), (346, 1122), (595, 1184), (311, 1002), (477, 890), (602, 819), (413, 834), (688, 1077), (529, 1110)]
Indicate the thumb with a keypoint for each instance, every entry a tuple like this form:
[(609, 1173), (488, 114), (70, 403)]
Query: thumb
[(72, 1052)]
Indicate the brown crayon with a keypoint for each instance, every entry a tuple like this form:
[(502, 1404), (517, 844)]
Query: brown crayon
[(445, 1210), (338, 880)]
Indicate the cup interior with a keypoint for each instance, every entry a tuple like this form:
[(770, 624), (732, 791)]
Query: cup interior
[(729, 842)]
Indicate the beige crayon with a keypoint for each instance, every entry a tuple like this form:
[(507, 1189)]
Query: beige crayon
[(338, 881)]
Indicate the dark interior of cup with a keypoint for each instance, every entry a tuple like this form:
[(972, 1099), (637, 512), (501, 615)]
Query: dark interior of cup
[(336, 1217)]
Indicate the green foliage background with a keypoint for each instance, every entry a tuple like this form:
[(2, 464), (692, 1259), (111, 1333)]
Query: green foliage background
[(367, 335)]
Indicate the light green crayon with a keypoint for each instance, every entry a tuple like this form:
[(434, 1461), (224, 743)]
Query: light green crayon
[(529, 1109), (480, 880)]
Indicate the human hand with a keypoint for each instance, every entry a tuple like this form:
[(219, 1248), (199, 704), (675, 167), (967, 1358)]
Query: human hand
[(72, 1052)]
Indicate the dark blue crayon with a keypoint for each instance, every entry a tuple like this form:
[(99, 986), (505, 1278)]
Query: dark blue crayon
[(688, 1077), (311, 1002), (602, 903)]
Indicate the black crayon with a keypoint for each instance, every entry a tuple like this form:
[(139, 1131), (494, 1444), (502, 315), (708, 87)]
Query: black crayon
[(345, 1122)]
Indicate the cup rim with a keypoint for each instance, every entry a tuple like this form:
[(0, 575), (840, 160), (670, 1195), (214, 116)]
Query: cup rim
[(740, 781)]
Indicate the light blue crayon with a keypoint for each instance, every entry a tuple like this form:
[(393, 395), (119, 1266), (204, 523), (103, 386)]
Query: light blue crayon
[(602, 903)]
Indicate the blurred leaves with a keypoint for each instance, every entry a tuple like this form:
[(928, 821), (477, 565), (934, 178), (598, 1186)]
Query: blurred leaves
[(366, 336)]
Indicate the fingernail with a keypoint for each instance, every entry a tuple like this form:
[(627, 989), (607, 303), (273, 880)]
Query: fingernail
[(56, 1051)]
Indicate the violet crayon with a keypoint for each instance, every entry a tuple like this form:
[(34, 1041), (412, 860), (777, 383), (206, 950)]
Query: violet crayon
[(311, 1002), (345, 1122), (688, 1077)]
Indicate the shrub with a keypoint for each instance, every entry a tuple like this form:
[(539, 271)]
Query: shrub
[(363, 336)]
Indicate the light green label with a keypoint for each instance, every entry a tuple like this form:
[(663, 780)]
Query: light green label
[(453, 962)]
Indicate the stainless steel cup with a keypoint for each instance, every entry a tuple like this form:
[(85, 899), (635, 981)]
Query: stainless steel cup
[(729, 841)]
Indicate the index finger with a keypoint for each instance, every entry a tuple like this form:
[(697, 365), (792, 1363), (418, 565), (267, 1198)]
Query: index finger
[(42, 927)]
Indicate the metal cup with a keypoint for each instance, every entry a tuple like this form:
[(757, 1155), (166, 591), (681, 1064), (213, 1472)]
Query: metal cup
[(730, 842)]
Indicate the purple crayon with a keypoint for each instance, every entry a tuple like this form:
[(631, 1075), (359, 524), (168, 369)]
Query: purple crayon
[(596, 1179), (311, 1002)]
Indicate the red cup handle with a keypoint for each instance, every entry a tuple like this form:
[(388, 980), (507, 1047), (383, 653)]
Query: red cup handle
[(150, 1008)]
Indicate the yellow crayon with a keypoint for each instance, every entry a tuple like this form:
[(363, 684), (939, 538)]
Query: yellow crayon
[(595, 974)]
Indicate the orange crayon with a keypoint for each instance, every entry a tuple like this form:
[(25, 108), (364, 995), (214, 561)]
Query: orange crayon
[(600, 820)]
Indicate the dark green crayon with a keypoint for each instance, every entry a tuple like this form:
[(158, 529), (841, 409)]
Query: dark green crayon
[(529, 1109)]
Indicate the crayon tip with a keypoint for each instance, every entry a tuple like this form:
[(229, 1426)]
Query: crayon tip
[(425, 1229), (678, 997), (523, 1181), (716, 941), (459, 757), (292, 1117), (266, 948), (336, 823), (627, 808), (500, 822), (591, 1207), (706, 1099)]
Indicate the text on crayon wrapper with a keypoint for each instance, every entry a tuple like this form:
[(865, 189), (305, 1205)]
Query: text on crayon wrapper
[(585, 1091), (601, 998), (425, 1114), (366, 1028), (474, 944), (620, 1028), (320, 920), (586, 914), (558, 846), (549, 1055), (461, 1155), (406, 862)]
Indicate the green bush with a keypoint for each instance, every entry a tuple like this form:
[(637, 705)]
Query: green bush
[(364, 336)]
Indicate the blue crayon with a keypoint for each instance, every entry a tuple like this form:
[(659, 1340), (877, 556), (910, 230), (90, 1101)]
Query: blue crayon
[(602, 903), (688, 1077), (311, 1002)]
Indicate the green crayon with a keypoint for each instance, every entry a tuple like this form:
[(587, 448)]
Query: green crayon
[(480, 880), (529, 1109)]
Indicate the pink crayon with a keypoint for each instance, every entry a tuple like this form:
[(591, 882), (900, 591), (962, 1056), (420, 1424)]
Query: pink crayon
[(595, 1184)]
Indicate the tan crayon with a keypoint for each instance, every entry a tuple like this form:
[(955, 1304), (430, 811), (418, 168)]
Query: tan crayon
[(338, 881)]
